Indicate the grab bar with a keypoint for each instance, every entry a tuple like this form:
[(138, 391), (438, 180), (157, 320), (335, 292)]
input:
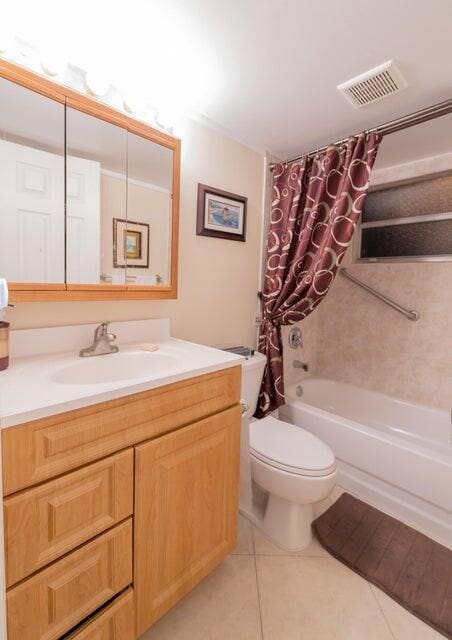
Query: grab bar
[(408, 313)]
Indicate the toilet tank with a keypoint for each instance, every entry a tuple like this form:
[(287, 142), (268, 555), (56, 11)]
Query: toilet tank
[(252, 371)]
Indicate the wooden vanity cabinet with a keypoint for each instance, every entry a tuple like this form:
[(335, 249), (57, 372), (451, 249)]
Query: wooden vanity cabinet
[(42, 449), (125, 505)]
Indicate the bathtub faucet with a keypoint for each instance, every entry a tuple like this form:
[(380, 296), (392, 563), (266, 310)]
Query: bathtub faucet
[(301, 365)]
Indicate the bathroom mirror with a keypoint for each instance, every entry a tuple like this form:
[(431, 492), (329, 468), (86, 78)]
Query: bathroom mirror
[(96, 194), (31, 186), (147, 237), (89, 197)]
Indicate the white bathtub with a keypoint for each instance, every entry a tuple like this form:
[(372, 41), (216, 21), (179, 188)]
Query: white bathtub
[(394, 454)]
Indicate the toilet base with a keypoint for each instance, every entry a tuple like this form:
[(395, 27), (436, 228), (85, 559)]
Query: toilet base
[(285, 523), (288, 523)]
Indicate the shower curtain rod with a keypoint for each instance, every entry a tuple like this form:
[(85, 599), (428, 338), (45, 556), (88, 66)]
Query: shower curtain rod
[(429, 113)]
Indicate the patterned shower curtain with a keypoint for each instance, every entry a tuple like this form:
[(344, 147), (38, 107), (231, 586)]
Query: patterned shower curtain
[(316, 204)]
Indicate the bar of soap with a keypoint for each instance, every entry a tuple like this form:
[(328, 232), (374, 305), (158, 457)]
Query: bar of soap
[(149, 346)]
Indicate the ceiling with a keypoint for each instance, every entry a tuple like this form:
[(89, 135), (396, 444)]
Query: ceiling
[(281, 61), (262, 71)]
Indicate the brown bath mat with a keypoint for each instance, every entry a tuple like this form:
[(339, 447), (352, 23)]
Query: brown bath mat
[(408, 566)]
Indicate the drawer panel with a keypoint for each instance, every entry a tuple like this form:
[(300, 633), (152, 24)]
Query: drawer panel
[(45, 448), (50, 603), (115, 622), (44, 523)]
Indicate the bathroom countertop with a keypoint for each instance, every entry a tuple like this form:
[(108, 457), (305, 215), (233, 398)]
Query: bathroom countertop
[(43, 384)]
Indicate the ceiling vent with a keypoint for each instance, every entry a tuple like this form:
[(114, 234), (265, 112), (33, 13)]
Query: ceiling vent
[(373, 85)]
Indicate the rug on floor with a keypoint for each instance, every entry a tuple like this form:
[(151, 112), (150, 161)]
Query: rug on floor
[(406, 564)]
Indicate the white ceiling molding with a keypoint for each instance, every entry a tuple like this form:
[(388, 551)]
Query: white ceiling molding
[(138, 183)]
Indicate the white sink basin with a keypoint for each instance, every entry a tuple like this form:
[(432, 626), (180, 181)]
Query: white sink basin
[(114, 367)]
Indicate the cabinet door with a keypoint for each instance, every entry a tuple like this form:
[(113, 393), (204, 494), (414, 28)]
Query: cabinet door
[(186, 508), (96, 167)]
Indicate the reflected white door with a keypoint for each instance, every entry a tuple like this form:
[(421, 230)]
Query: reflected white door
[(31, 214), (83, 221)]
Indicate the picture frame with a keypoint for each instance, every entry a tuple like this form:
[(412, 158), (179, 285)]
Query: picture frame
[(221, 214), (130, 244)]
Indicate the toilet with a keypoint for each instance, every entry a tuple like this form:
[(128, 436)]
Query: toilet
[(285, 469)]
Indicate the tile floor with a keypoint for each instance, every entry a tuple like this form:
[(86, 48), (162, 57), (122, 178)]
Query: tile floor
[(262, 593)]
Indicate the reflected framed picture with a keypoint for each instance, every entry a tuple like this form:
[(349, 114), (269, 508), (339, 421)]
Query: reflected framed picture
[(130, 244), (221, 214)]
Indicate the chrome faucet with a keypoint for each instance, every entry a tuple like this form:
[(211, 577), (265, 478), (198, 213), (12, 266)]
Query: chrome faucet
[(102, 343)]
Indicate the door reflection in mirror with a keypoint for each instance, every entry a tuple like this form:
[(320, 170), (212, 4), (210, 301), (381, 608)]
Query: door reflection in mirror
[(31, 186)]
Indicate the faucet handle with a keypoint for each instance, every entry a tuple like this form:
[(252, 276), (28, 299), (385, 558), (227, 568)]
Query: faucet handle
[(298, 364), (102, 329)]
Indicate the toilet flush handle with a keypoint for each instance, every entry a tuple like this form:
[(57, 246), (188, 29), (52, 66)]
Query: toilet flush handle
[(245, 406)]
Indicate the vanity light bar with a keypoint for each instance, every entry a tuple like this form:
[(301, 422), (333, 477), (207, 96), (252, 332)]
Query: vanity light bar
[(89, 82)]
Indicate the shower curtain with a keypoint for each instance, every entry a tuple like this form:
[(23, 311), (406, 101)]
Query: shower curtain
[(316, 204)]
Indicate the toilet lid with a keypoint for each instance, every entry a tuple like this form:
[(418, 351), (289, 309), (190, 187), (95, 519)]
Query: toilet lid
[(290, 448)]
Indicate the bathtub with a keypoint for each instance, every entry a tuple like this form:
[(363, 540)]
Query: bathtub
[(391, 453)]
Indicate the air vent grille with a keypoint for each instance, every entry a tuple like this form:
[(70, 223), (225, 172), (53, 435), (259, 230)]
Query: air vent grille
[(373, 85)]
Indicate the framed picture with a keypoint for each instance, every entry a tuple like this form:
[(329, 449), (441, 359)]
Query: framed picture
[(130, 244), (221, 214)]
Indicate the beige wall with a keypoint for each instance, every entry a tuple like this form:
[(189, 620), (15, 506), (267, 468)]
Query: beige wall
[(218, 279)]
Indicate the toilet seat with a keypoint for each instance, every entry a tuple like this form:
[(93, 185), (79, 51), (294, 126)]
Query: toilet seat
[(290, 448)]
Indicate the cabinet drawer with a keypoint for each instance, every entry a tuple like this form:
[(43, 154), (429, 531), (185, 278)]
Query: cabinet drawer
[(50, 603), (42, 449), (43, 523), (115, 622)]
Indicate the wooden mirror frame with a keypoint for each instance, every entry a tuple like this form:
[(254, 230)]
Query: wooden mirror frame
[(64, 292)]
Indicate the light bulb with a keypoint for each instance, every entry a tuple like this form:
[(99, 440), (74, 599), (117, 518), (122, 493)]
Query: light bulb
[(96, 83), (165, 118), (52, 64), (7, 41), (133, 104)]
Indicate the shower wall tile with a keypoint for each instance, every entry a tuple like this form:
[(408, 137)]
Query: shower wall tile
[(362, 341)]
